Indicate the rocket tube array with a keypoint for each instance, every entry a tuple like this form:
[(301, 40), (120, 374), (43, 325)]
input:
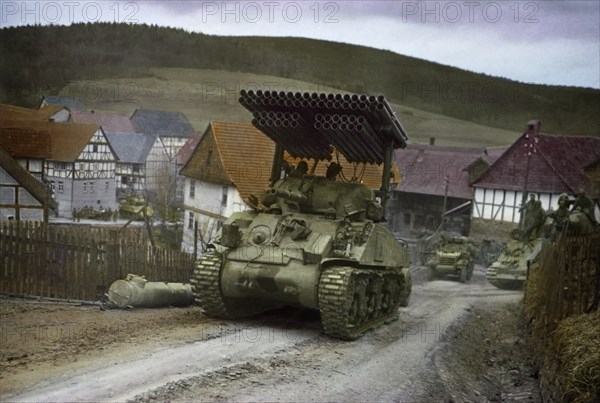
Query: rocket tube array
[(306, 124)]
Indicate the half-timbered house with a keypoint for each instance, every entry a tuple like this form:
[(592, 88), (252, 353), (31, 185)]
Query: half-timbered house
[(132, 151), (79, 164), (536, 163), (22, 197), (172, 130), (110, 122)]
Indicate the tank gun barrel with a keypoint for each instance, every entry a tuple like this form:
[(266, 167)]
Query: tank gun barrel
[(295, 197)]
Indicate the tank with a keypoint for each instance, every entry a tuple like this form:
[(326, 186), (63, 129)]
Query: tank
[(509, 272), (452, 255), (313, 241), (132, 207)]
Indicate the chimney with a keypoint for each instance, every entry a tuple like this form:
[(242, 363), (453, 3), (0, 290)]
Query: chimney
[(431, 141), (533, 127)]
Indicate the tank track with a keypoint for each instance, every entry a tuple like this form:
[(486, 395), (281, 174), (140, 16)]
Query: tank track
[(206, 288), (353, 301)]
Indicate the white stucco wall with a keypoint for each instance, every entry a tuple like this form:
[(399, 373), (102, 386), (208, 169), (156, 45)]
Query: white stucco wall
[(207, 207), (503, 205)]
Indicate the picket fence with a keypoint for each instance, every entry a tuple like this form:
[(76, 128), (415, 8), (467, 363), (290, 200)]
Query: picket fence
[(80, 261)]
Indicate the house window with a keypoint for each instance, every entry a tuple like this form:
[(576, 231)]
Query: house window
[(84, 187), (123, 180), (224, 200), (61, 186), (191, 221), (91, 187), (192, 188), (95, 148), (53, 185), (107, 185)]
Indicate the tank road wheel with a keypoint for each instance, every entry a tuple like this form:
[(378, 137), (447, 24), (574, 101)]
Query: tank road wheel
[(463, 274), (206, 287), (353, 301)]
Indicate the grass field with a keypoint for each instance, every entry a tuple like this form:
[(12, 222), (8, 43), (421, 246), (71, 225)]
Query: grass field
[(204, 95)]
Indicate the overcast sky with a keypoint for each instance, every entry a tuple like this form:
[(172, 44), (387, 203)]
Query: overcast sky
[(543, 41)]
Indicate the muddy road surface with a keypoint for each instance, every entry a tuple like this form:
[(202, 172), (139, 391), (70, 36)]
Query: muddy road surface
[(454, 341)]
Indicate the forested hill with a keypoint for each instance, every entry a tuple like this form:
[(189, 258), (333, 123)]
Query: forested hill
[(37, 59)]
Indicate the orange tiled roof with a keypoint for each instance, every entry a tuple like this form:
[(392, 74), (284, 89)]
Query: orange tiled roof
[(245, 155), (65, 141), (11, 112)]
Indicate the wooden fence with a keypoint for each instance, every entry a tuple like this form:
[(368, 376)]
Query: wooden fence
[(567, 280), (80, 262)]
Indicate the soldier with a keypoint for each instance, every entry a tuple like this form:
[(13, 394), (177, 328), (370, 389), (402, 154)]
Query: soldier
[(300, 170), (534, 220), (526, 211), (585, 204), (333, 170), (561, 216)]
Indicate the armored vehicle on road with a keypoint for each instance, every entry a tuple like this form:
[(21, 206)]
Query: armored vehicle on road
[(313, 241), (133, 207), (453, 255), (509, 272)]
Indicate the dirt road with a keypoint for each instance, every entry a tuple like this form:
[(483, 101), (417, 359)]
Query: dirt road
[(455, 341)]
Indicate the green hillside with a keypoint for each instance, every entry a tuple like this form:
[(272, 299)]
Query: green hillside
[(40, 59), (204, 95)]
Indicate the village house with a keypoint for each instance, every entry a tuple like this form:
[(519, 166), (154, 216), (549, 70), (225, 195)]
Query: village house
[(131, 148), (110, 122), (130, 169), (172, 130), (22, 197), (49, 113), (77, 161), (536, 163), (435, 181), (184, 154), (72, 103), (592, 171), (229, 164)]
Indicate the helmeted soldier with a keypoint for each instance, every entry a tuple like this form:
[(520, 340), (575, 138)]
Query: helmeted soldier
[(561, 216), (585, 204), (534, 220)]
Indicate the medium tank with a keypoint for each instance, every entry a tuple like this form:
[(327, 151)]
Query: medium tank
[(318, 245), (453, 255), (133, 206), (312, 241), (509, 272)]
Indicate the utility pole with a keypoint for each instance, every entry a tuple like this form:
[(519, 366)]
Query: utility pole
[(446, 182), (531, 140)]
